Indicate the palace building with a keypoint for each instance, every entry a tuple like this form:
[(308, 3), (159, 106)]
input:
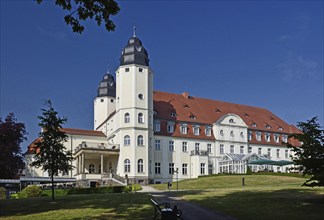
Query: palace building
[(150, 136)]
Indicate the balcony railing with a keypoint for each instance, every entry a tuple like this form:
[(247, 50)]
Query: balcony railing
[(96, 146), (199, 152)]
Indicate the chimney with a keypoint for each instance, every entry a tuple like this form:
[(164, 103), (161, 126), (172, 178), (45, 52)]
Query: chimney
[(186, 95)]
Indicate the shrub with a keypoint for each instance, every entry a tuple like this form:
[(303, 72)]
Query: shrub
[(3, 192), (136, 187), (248, 170), (31, 191), (57, 192)]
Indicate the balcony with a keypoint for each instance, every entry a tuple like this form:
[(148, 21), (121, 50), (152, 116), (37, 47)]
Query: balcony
[(199, 152), (96, 147)]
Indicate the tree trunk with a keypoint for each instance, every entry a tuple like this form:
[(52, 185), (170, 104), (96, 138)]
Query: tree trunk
[(52, 176)]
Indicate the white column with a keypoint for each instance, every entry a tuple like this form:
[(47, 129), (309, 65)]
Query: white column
[(82, 161), (101, 163)]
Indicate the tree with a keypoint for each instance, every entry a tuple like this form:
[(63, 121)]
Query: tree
[(81, 10), (309, 157), (12, 134), (52, 155)]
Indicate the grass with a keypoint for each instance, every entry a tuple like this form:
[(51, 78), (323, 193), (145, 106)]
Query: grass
[(95, 206), (262, 197)]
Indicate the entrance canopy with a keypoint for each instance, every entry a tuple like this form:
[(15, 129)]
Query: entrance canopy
[(270, 162)]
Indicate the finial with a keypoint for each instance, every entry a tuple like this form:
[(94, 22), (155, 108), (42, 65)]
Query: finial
[(108, 69), (134, 29)]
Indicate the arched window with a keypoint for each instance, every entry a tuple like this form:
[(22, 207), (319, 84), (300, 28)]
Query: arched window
[(126, 140), (140, 140), (127, 118), (91, 168), (140, 118), (140, 166), (231, 120), (126, 165)]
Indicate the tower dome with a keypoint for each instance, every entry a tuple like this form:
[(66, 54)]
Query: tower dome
[(134, 53), (107, 86)]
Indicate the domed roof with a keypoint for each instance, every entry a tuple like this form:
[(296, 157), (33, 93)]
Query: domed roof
[(107, 86), (134, 53)]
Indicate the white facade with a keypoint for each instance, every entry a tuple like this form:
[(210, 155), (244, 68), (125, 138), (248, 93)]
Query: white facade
[(143, 139)]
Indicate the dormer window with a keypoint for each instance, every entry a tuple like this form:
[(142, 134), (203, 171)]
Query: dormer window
[(254, 125), (285, 138), (173, 114), (280, 128), (250, 135), (184, 129), (276, 138), (217, 110), (258, 136), (267, 137), (170, 127), (221, 132), (231, 121), (268, 126), (208, 131), (155, 112), (196, 129), (192, 117), (157, 126)]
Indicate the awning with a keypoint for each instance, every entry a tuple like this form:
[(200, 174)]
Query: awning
[(271, 162)]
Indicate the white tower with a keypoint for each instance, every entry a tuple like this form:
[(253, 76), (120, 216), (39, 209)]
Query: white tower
[(105, 102), (134, 109)]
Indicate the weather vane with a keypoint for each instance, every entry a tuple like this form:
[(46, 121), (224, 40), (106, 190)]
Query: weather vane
[(108, 69), (134, 29)]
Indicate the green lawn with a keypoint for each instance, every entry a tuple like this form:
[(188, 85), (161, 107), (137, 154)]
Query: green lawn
[(96, 206), (263, 196)]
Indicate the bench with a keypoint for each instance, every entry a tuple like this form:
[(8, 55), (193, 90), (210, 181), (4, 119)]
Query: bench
[(165, 211)]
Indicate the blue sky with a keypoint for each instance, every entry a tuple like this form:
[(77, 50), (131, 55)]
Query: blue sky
[(261, 53)]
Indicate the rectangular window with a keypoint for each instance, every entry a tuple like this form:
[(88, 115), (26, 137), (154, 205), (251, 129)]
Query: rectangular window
[(259, 150), (184, 146), (158, 168), (258, 136), (196, 130), (158, 145), (267, 137), (157, 126), (150, 166), (183, 129), (209, 148), (250, 135), (208, 131), (232, 149), (286, 154), (278, 153), (269, 152), (202, 168), (221, 149), (249, 150), (171, 145), (140, 70), (171, 168), (170, 127), (276, 138), (184, 169), (284, 138), (197, 147), (241, 149), (126, 69)]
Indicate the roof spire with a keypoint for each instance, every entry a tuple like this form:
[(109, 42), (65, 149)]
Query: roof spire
[(134, 29), (108, 69)]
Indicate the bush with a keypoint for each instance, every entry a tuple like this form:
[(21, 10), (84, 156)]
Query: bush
[(30, 191), (248, 170), (97, 190), (57, 192), (136, 187), (3, 192)]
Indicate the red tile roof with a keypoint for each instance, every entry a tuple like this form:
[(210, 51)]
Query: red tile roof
[(32, 148), (208, 111), (83, 132)]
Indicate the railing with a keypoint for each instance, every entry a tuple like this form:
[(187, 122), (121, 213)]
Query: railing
[(199, 152), (90, 145)]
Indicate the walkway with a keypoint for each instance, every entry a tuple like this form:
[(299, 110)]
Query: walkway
[(190, 210)]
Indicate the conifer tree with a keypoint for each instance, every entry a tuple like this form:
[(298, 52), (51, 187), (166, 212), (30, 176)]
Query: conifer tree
[(52, 155)]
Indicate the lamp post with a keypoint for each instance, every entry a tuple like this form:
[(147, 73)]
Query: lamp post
[(177, 171)]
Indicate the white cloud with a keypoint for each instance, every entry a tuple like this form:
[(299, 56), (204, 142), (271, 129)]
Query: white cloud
[(295, 67)]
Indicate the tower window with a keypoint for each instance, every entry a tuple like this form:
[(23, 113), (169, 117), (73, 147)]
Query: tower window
[(101, 100), (140, 140), (126, 140), (140, 166), (140, 96), (140, 69), (127, 118), (126, 165), (126, 69), (111, 100), (140, 118)]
